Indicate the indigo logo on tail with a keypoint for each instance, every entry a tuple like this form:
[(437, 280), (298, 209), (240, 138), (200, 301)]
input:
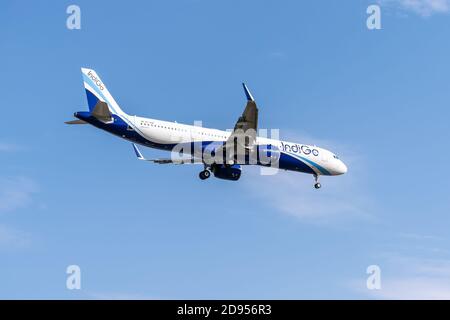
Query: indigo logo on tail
[(96, 80)]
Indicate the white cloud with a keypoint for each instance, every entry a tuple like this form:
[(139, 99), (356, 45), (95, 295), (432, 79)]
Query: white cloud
[(16, 193), (292, 193), (423, 8), (409, 278), (414, 288), (405, 277)]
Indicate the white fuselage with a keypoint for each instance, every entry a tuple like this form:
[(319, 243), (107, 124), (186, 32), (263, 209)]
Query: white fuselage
[(321, 161)]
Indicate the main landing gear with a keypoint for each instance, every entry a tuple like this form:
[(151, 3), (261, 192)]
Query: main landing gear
[(317, 185), (205, 174)]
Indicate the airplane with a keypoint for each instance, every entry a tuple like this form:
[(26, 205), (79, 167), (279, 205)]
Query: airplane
[(222, 153)]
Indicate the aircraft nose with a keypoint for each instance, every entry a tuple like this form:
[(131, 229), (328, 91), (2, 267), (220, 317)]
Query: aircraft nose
[(342, 168)]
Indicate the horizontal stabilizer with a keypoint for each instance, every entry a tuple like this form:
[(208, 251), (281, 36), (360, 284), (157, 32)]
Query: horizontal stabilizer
[(102, 112), (76, 122)]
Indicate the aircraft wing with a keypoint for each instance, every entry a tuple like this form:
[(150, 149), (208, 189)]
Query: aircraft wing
[(243, 136), (184, 160)]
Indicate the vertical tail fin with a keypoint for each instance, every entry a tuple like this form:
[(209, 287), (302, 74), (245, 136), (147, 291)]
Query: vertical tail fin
[(96, 91)]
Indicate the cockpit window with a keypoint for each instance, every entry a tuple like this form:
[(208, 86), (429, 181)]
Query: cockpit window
[(335, 156)]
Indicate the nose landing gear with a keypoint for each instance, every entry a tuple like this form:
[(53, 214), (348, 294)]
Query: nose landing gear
[(317, 185)]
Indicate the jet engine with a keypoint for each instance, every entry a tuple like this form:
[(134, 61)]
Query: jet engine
[(227, 172)]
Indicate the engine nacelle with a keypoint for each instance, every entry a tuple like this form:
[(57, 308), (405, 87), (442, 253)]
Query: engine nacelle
[(227, 172)]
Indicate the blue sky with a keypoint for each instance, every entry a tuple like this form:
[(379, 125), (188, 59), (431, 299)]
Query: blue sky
[(75, 195)]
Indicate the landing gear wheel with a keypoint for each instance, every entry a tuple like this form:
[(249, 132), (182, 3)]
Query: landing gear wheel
[(205, 174), (317, 185)]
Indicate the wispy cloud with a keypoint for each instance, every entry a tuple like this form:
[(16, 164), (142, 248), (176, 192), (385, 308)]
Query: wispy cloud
[(418, 288), (424, 8), (416, 236), (12, 239), (8, 147), (118, 296), (277, 55), (412, 278), (340, 198), (16, 193), (416, 268)]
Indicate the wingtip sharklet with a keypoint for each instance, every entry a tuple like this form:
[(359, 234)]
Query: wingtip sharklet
[(137, 152), (247, 92)]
